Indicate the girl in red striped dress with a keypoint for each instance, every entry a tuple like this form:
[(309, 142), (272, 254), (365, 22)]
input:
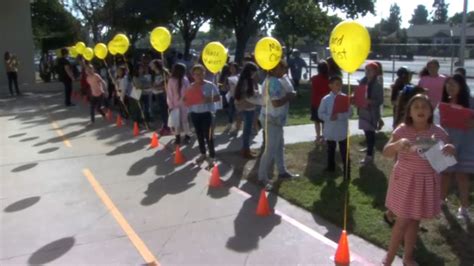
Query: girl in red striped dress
[(414, 187)]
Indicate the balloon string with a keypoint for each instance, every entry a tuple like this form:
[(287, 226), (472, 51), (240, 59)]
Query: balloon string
[(165, 82), (115, 85), (267, 95), (348, 151)]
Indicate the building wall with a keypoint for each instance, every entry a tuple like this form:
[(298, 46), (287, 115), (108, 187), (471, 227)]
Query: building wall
[(17, 38)]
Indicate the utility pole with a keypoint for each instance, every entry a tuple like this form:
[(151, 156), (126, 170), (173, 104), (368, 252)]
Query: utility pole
[(463, 35)]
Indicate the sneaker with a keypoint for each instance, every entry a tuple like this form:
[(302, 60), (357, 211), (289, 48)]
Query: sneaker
[(463, 213), (288, 176), (210, 162), (367, 160)]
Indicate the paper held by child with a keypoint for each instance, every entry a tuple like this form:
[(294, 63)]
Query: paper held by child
[(437, 159), (360, 95), (454, 116), (193, 96), (341, 104)]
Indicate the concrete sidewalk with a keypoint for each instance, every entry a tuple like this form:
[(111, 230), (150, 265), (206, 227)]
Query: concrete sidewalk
[(51, 213)]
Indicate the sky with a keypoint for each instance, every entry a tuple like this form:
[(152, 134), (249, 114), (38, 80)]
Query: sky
[(382, 10)]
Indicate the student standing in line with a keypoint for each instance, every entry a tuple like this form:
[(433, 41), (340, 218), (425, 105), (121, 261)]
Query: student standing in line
[(160, 78), (202, 114), (432, 81), (335, 127), (96, 85), (247, 97), (456, 92), (319, 89), (403, 78), (273, 117), (413, 191), (177, 85)]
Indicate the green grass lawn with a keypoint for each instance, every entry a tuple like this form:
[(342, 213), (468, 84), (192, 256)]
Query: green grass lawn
[(300, 108), (445, 241)]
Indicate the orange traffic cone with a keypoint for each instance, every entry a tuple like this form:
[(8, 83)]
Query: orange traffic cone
[(154, 141), (136, 131), (342, 256), (263, 208), (119, 121), (109, 115), (178, 156), (215, 180)]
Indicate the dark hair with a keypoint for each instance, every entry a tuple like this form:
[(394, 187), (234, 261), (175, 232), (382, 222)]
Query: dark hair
[(404, 96), (64, 52), (246, 76), (225, 72), (335, 78), (281, 64), (178, 72), (464, 93), (408, 120), (424, 71), (198, 67), (124, 70), (7, 55), (379, 69), (334, 69), (461, 70), (235, 65), (403, 78), (323, 68)]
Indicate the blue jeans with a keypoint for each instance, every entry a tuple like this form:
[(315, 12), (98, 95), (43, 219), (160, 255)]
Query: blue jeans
[(274, 151), (248, 117)]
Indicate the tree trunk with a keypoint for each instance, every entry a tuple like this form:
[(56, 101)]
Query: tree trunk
[(187, 46), (242, 36)]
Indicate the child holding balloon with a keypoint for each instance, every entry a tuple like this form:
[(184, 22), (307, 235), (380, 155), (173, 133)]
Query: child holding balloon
[(413, 191), (178, 120)]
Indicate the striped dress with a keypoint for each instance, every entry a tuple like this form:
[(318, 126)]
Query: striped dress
[(414, 187)]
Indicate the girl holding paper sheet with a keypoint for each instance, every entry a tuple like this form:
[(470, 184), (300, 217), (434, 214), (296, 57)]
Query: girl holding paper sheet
[(178, 120), (247, 98), (96, 85), (457, 92), (413, 191), (433, 81)]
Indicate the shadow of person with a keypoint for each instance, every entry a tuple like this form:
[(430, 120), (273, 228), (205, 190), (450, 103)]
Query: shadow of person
[(315, 171), (177, 182), (16, 135), (24, 167), (161, 159), (460, 239), (334, 195), (51, 251), (129, 147), (22, 204), (250, 228), (374, 182), (28, 139)]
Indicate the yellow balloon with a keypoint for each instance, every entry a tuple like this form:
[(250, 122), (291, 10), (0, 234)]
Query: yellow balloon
[(80, 46), (214, 56), (268, 53), (350, 45), (88, 54), (121, 43), (160, 39), (72, 52), (111, 48), (100, 51)]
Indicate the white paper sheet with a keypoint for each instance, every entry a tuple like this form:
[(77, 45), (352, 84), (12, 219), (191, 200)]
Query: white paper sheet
[(437, 159)]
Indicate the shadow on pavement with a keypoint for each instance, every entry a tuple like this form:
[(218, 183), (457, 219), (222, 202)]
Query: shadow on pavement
[(22, 204), (175, 183), (24, 167), (52, 251), (28, 139), (48, 150), (16, 135), (129, 147), (250, 228)]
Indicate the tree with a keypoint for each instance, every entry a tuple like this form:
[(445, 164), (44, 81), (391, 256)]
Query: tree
[(296, 19), (420, 16), (392, 24), (188, 17), (246, 17), (440, 14), (91, 16), (457, 18), (53, 26)]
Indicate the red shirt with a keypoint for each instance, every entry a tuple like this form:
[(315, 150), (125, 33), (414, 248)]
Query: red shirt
[(320, 88)]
